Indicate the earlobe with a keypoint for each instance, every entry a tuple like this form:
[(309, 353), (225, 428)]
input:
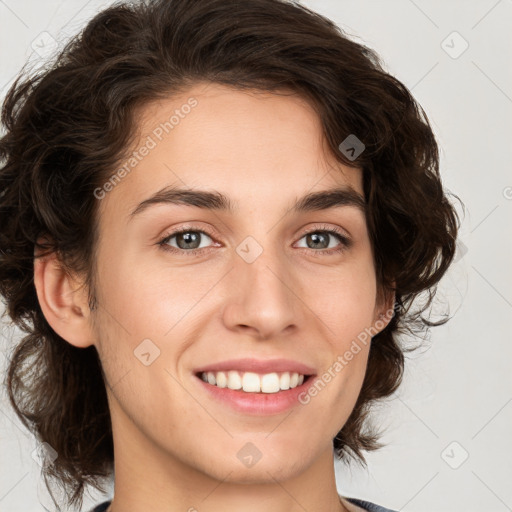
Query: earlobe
[(63, 301)]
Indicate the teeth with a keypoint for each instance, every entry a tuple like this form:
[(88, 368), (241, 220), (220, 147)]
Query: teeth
[(251, 382), (234, 380), (221, 380), (269, 383)]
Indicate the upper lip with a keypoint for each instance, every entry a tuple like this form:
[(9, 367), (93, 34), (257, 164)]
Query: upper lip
[(258, 366)]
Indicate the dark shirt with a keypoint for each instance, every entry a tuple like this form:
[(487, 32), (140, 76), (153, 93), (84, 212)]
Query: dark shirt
[(370, 507), (102, 507)]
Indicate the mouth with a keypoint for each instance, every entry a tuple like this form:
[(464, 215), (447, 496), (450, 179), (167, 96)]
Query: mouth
[(252, 382), (255, 387)]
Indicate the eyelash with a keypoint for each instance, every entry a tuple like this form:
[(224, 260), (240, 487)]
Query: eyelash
[(345, 241)]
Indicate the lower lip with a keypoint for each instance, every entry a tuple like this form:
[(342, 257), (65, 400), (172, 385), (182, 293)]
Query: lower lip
[(257, 403)]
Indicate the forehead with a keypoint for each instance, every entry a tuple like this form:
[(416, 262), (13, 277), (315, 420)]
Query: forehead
[(256, 147)]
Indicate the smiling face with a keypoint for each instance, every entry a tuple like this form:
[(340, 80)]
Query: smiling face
[(256, 275)]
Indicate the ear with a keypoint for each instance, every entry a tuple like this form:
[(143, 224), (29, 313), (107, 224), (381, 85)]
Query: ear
[(63, 300), (384, 308)]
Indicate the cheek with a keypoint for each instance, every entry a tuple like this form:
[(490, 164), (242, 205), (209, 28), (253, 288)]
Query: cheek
[(344, 302), (151, 299), (343, 298)]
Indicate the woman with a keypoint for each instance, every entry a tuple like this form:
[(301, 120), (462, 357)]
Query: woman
[(216, 217)]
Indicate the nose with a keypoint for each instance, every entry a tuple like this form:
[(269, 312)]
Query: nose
[(261, 300)]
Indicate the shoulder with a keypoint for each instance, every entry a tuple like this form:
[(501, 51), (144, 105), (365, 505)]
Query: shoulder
[(370, 507), (101, 508)]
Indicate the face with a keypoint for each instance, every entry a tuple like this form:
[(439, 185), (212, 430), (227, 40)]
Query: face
[(253, 277)]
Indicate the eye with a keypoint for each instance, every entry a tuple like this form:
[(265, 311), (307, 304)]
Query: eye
[(192, 242), (323, 239), (185, 241)]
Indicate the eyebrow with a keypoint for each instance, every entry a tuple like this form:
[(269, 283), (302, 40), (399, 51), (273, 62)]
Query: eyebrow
[(214, 200)]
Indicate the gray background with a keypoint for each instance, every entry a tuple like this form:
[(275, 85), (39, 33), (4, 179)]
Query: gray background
[(448, 442)]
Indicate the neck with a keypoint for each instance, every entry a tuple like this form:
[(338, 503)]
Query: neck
[(149, 476), (147, 480)]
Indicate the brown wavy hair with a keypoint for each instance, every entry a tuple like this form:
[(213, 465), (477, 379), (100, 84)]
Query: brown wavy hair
[(68, 126)]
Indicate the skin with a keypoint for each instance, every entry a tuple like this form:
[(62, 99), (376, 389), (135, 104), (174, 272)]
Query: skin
[(176, 448)]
